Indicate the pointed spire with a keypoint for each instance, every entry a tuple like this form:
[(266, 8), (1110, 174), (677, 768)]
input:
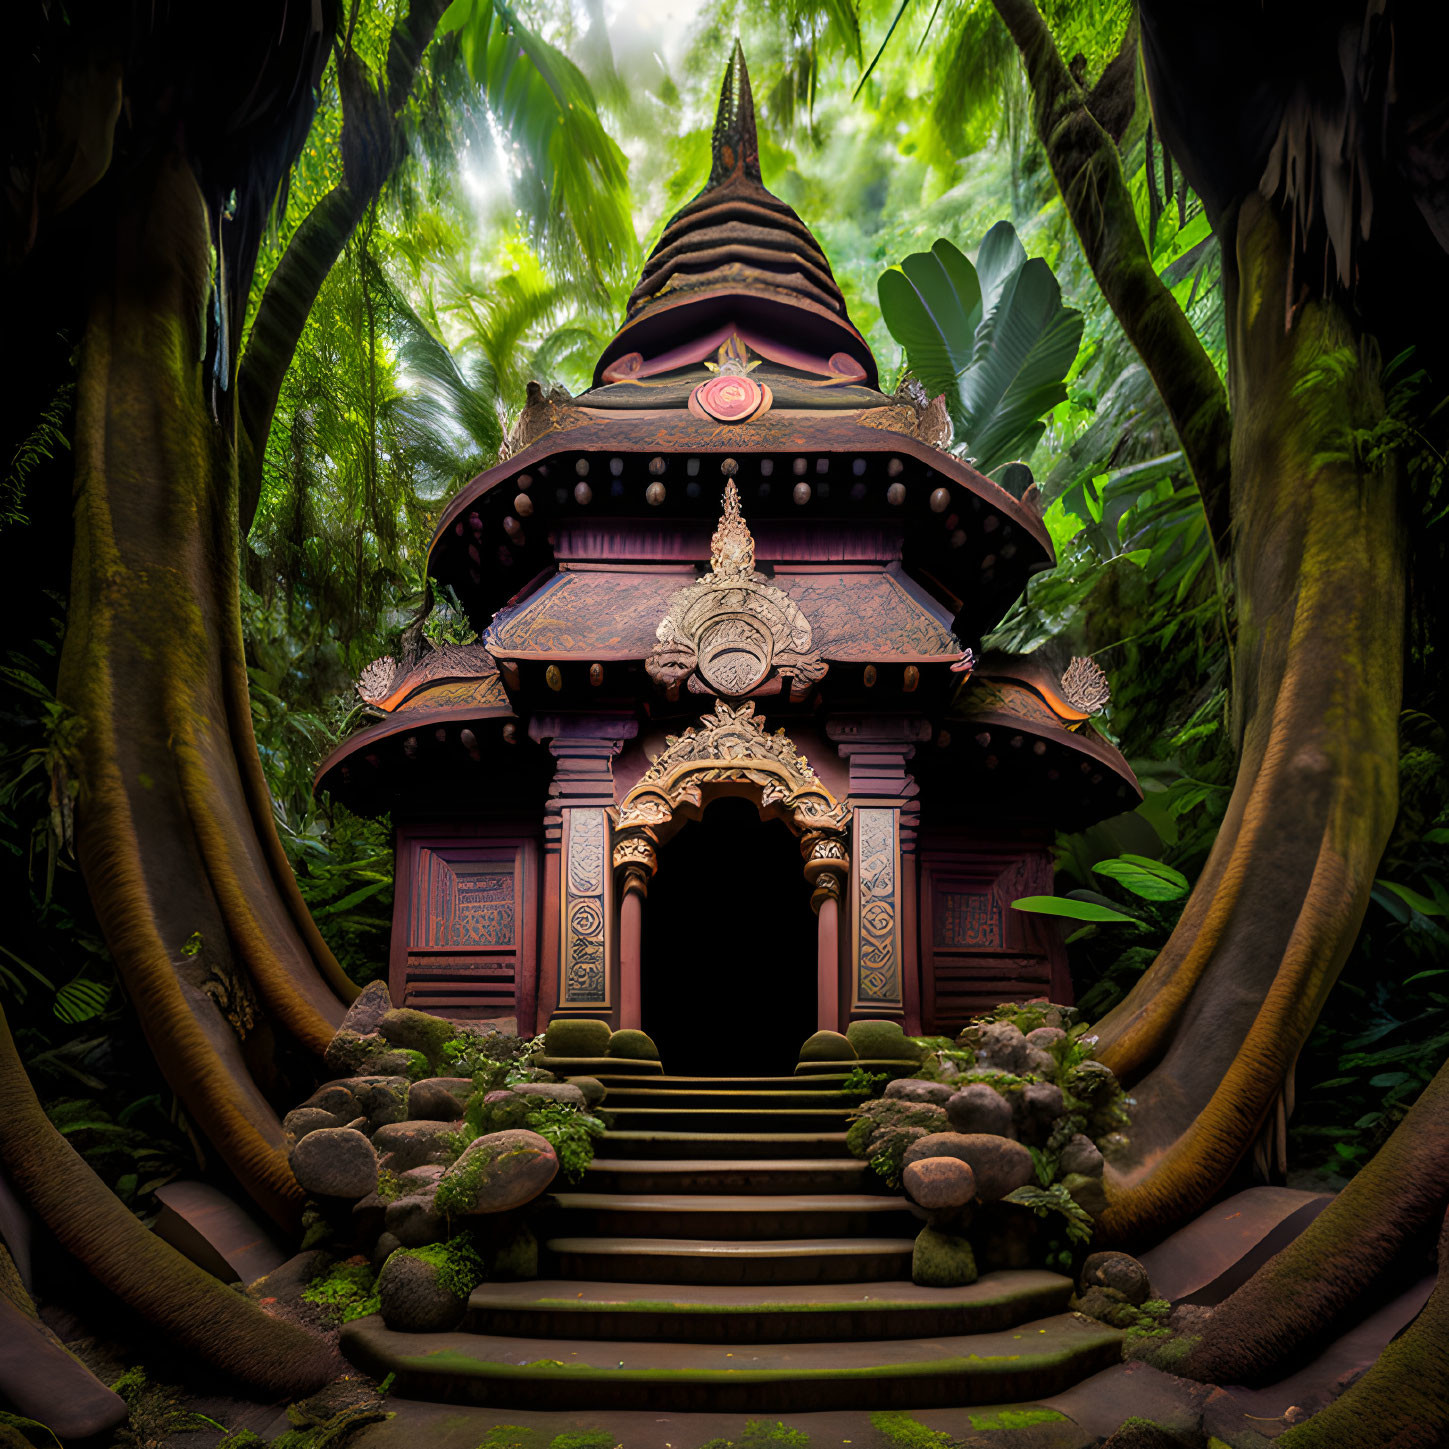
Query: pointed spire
[(735, 145), (732, 549)]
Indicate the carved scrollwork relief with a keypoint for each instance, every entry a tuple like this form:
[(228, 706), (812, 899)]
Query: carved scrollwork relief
[(731, 631)]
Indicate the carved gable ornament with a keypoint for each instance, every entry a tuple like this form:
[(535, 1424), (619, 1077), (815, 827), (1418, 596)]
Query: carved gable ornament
[(732, 631), (732, 748)]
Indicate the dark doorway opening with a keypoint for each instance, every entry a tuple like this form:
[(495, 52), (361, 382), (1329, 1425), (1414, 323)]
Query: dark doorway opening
[(728, 969)]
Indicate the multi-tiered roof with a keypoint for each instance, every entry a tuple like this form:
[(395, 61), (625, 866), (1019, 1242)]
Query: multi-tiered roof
[(737, 383)]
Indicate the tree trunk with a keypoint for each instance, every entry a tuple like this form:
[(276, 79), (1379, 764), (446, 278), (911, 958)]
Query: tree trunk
[(1210, 1034), (175, 831), (195, 1311)]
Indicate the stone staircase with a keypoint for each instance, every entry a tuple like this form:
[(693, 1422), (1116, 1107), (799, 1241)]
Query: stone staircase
[(724, 1253)]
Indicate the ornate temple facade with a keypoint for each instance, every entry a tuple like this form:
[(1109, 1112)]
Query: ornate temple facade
[(728, 749)]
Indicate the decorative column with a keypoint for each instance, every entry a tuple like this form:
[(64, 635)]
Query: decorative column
[(635, 855), (579, 946), (885, 980), (827, 866)]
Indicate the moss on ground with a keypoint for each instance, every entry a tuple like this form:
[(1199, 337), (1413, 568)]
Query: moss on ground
[(900, 1428), (1015, 1418), (344, 1291), (760, 1435)]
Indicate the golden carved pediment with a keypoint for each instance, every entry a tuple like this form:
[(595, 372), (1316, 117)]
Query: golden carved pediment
[(731, 748), (731, 631)]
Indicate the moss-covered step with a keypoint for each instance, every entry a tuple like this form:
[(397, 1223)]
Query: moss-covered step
[(818, 1082), (891, 1067), (723, 1099), (601, 1067), (666, 1118), (717, 1260), (729, 1216), (704, 1175), (646, 1143), (1029, 1361), (782, 1313)]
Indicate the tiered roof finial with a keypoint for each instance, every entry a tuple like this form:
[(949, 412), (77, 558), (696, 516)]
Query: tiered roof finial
[(732, 549), (735, 145)]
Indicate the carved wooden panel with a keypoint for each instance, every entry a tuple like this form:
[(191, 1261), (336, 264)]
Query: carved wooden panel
[(877, 895), (977, 952), (584, 974), (464, 927)]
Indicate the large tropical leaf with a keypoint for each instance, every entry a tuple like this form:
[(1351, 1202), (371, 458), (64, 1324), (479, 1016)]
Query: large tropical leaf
[(576, 178), (994, 338)]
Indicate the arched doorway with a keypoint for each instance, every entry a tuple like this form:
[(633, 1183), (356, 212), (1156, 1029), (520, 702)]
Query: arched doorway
[(728, 965)]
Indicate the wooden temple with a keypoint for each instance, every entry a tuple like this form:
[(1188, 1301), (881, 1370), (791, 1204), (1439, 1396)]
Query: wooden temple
[(728, 762)]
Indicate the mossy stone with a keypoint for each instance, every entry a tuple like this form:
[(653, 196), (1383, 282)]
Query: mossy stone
[(418, 1031), (576, 1037), (942, 1260), (827, 1046), (881, 1041), (632, 1045), (350, 1054), (593, 1089)]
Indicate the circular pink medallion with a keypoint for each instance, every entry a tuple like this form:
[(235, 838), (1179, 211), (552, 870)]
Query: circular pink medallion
[(729, 398)]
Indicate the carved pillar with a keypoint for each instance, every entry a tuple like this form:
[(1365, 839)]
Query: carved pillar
[(634, 854), (579, 944), (885, 954), (827, 867)]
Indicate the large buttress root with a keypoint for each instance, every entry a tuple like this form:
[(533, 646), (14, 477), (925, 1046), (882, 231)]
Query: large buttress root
[(1314, 1285), (174, 827), (1210, 1034), (194, 1310), (1402, 1402)]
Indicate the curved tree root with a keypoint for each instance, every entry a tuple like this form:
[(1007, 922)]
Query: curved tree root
[(1210, 1034), (1402, 1402), (1317, 1279), (194, 1310)]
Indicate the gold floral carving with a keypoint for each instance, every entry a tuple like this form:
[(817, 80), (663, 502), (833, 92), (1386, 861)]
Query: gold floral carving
[(733, 749), (1085, 687), (733, 630)]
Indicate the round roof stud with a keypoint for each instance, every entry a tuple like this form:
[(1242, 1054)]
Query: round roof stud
[(895, 467), (868, 676), (958, 538), (524, 482), (510, 733), (692, 467), (523, 505), (940, 500), (596, 675), (553, 677), (802, 493), (858, 467), (581, 467), (616, 466), (911, 679), (896, 494), (729, 467), (799, 466), (583, 494), (767, 467), (654, 494), (512, 527), (822, 465), (656, 467)]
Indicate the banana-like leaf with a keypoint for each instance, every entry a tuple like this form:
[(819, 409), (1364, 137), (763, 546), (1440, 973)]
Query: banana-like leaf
[(994, 338)]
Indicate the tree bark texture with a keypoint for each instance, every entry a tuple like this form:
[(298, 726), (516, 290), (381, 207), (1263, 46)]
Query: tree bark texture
[(1315, 1286), (1402, 1401), (195, 1311), (175, 831), (1088, 172), (1209, 1036)]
